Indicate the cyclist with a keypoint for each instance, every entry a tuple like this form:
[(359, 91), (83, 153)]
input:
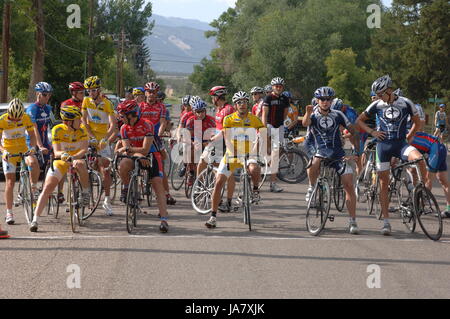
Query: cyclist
[(391, 111), (185, 107), (223, 109), (139, 94), (441, 122), (41, 115), (76, 90), (324, 124), (100, 123), (137, 138), (239, 129), (291, 122), (70, 144), (201, 138), (258, 97), (275, 111), (156, 113), (186, 114), (14, 126), (436, 163)]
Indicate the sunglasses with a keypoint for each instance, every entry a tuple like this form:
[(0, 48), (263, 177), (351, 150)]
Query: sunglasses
[(152, 91), (200, 111), (92, 90), (45, 94), (325, 98), (242, 102)]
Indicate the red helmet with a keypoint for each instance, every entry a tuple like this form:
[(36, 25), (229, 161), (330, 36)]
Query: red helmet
[(76, 86), (128, 106), (218, 91), (152, 86)]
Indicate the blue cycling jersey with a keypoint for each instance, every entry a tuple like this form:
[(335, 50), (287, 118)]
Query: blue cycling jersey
[(41, 116), (326, 133), (348, 111), (392, 118)]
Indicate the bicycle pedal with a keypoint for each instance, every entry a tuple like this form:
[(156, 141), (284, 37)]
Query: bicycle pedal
[(331, 218)]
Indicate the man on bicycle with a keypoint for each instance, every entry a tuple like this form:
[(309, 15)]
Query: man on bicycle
[(202, 127), (391, 111), (100, 124), (239, 129), (14, 126), (325, 124), (137, 138), (70, 145), (275, 111), (441, 122), (76, 90)]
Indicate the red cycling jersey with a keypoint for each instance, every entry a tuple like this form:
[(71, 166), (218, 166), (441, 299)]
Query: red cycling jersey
[(222, 113), (136, 133), (72, 102), (185, 118), (207, 123), (154, 112), (256, 109)]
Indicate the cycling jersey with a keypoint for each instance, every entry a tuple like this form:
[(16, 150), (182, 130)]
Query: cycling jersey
[(136, 134), (326, 133), (240, 132), (277, 105), (41, 116), (256, 109), (186, 116), (14, 133), (72, 102), (292, 113), (98, 115), (392, 118), (207, 123), (69, 139), (153, 112), (226, 110), (440, 118)]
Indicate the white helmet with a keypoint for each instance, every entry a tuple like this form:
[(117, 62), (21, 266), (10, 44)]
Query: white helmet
[(381, 84), (15, 109), (257, 89), (277, 81), (241, 95), (194, 99)]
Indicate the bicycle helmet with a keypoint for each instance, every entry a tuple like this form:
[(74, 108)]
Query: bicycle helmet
[(185, 100), (442, 105), (92, 82), (152, 86), (398, 92), (241, 95), (199, 105), (372, 93), (324, 91), (314, 102), (277, 81), (129, 106), (138, 91), (76, 86), (287, 94), (43, 87), (161, 95), (381, 84), (218, 91), (337, 104), (256, 89), (15, 109), (268, 88), (193, 100), (70, 113)]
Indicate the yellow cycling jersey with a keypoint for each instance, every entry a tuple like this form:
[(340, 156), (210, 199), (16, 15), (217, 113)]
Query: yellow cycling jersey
[(69, 139), (98, 115), (14, 133), (242, 131)]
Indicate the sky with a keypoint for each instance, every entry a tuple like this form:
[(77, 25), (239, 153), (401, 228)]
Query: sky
[(203, 10)]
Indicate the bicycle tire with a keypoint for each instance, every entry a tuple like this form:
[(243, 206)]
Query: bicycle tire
[(202, 190), (188, 188), (73, 214), (27, 196), (96, 190), (405, 204), (177, 181), (338, 193), (247, 202), (132, 204), (264, 165), (318, 207), (51, 205), (427, 215), (292, 166)]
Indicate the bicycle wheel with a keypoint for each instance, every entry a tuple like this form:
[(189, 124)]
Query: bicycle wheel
[(27, 196), (202, 191), (176, 178), (318, 208), (338, 193), (263, 164), (115, 181), (132, 204), (188, 188), (427, 212), (52, 205), (404, 201), (292, 166), (73, 205), (96, 190), (247, 201)]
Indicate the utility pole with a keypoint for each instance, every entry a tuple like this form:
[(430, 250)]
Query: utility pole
[(91, 39), (121, 41), (122, 47), (6, 35), (37, 70)]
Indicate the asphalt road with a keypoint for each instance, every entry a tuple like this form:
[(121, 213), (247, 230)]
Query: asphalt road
[(277, 259)]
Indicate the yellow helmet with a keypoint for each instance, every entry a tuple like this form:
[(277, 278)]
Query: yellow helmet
[(92, 82), (16, 109), (70, 113)]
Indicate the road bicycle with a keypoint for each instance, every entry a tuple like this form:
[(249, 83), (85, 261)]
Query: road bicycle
[(292, 162), (95, 181)]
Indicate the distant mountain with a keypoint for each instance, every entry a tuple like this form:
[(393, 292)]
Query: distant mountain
[(176, 44)]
